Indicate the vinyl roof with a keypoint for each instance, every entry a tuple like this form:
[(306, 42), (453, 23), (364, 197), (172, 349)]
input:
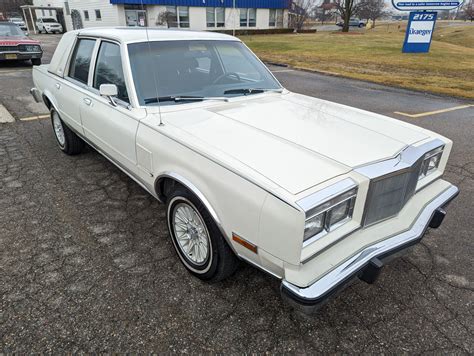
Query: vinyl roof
[(137, 34)]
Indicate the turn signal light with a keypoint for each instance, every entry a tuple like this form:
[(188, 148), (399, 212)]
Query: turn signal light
[(244, 243)]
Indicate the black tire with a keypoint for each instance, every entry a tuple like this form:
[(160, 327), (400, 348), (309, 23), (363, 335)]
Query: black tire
[(36, 61), (221, 262), (71, 144)]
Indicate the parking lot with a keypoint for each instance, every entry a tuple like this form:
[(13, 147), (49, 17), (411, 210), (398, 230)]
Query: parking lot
[(87, 265)]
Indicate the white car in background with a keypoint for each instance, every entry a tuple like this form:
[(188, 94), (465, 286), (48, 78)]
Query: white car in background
[(49, 25), (312, 192), (18, 21)]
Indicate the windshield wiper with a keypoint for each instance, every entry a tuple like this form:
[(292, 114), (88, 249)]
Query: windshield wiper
[(182, 98), (252, 91)]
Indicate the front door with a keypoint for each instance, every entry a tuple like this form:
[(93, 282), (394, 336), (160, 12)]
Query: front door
[(111, 128)]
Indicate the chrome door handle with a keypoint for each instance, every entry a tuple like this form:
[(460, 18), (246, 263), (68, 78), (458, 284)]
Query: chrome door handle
[(58, 86), (87, 101)]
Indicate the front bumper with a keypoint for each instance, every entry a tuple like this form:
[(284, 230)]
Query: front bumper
[(366, 264), (19, 56)]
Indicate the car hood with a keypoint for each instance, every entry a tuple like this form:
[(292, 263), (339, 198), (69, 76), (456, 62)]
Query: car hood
[(14, 41), (296, 141)]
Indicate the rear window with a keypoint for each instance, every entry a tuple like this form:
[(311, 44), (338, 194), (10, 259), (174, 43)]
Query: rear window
[(81, 60)]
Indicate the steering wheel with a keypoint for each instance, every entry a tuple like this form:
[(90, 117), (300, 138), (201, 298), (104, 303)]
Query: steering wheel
[(226, 75)]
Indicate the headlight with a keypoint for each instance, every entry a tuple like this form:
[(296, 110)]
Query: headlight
[(431, 162), (32, 48), (329, 215)]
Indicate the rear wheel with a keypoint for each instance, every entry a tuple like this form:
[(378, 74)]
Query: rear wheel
[(68, 141), (197, 239)]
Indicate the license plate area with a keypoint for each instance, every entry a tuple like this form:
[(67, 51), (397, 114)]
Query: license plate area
[(11, 56)]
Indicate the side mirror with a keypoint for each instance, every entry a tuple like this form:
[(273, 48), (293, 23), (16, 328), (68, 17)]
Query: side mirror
[(109, 91)]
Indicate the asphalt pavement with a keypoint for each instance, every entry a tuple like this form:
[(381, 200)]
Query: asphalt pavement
[(86, 263)]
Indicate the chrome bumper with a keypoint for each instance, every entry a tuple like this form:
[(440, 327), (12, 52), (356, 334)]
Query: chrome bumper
[(367, 263), (36, 93)]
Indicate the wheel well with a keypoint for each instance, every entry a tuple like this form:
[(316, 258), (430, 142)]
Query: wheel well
[(47, 102), (166, 185)]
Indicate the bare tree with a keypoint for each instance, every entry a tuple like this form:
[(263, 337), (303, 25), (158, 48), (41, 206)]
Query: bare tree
[(325, 11), (8, 7), (167, 18), (347, 9), (468, 10), (299, 12), (372, 10)]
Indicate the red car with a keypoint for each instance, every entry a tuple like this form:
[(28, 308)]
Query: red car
[(15, 45)]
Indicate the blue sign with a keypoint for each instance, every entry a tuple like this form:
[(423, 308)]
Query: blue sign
[(428, 5), (419, 32)]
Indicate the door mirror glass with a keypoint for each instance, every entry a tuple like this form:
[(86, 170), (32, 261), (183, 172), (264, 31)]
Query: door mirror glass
[(108, 90)]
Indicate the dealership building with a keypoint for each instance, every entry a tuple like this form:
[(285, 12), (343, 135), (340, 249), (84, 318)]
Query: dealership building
[(189, 14)]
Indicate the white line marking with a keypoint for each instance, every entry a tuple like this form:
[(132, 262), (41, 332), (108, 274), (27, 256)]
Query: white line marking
[(434, 112), (283, 71), (5, 115)]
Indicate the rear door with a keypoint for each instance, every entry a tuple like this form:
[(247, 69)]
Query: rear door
[(110, 127)]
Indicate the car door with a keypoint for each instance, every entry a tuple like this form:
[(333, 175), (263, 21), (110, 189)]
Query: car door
[(75, 83), (111, 126)]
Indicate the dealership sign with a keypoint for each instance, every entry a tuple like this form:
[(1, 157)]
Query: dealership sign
[(428, 5), (419, 32)]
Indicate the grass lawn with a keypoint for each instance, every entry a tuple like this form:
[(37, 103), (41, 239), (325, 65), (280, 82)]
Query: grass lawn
[(375, 55)]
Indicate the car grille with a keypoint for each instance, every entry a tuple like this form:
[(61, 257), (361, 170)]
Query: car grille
[(8, 48), (388, 194)]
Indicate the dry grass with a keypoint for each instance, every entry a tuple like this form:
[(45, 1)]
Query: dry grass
[(375, 55)]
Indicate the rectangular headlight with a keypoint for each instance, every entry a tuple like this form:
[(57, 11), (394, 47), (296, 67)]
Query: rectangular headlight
[(329, 215), (431, 162)]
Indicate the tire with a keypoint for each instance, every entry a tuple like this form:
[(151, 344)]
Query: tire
[(67, 140), (216, 263), (36, 61)]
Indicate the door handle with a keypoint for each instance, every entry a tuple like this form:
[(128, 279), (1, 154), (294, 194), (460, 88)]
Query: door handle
[(58, 86), (87, 101)]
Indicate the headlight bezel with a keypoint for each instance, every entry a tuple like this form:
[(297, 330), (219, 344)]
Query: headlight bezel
[(435, 156), (324, 203)]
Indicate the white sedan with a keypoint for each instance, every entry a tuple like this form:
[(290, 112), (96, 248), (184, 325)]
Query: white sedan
[(312, 192)]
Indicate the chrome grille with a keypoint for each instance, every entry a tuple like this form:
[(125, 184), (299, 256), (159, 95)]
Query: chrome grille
[(388, 194), (8, 48)]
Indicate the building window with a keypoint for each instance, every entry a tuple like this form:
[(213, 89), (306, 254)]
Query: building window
[(50, 12), (86, 15), (178, 16), (272, 19), (279, 17), (276, 18), (248, 17), (98, 15), (215, 17)]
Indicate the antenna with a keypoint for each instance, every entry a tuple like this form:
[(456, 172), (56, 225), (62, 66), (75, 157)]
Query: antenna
[(152, 67)]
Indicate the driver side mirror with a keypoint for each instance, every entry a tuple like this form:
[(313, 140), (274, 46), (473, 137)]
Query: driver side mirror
[(109, 91)]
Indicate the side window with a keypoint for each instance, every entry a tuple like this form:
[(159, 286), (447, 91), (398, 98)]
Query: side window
[(81, 60), (108, 69)]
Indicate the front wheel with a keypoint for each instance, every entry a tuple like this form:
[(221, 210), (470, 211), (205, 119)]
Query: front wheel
[(197, 239), (68, 141), (36, 61)]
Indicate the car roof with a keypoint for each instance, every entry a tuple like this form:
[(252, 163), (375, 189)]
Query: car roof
[(140, 34)]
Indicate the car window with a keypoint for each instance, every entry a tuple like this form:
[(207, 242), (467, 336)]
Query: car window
[(8, 30), (109, 69), (81, 60), (49, 20)]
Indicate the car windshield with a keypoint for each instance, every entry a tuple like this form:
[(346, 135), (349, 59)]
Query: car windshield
[(196, 70), (10, 30), (49, 20)]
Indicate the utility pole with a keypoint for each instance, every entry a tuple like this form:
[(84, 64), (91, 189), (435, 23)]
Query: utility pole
[(233, 27)]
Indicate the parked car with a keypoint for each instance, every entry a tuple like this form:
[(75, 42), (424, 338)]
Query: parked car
[(353, 22), (48, 25), (19, 21), (312, 192), (16, 46)]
